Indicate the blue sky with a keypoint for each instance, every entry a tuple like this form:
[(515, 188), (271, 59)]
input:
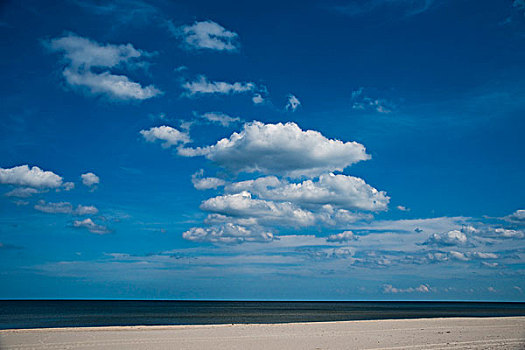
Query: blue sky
[(335, 150)]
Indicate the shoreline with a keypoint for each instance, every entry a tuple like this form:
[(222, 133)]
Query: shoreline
[(181, 326), (423, 333)]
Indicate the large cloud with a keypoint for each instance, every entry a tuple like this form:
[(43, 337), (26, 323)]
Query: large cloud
[(281, 149), (344, 191), (208, 35), (33, 177), (82, 55)]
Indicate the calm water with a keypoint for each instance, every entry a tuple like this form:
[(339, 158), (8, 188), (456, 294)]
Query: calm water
[(81, 313)]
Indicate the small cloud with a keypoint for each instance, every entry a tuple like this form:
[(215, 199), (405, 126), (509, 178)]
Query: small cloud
[(85, 210), (492, 289), (207, 35), (449, 238), (206, 183), (422, 288), (90, 179), (91, 226), (293, 103), (403, 208), (169, 135), (220, 118), (202, 86), (518, 289), (342, 237), (362, 102), (257, 99), (54, 208), (22, 192)]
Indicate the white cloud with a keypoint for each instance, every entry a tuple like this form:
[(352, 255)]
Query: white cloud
[(33, 177), (517, 217), (54, 208), (83, 54), (65, 208), (117, 86), (244, 206), (342, 191), (507, 233), (169, 135), (208, 35), (205, 183), (91, 226), (85, 210), (293, 103), (90, 179), (453, 237), (422, 288), (282, 149), (257, 99), (342, 237), (203, 86), (402, 208), (227, 233), (22, 192), (220, 118)]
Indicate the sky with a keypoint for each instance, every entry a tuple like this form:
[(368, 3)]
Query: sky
[(275, 150)]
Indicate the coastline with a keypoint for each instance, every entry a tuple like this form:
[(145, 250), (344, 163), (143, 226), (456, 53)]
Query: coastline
[(434, 333)]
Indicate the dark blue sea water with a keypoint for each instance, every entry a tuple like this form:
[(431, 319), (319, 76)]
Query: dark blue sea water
[(83, 313)]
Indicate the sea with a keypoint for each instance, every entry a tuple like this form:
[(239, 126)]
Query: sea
[(16, 314)]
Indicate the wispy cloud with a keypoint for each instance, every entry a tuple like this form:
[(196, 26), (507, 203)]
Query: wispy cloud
[(207, 35), (401, 8), (202, 86), (82, 55), (293, 103)]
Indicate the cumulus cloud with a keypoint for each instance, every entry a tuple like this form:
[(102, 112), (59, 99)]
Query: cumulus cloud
[(220, 118), (293, 103), (90, 179), (518, 217), (85, 210), (343, 191), (169, 135), (91, 226), (82, 55), (227, 233), (205, 183), (32, 177), (454, 237), (342, 237), (203, 86), (281, 149), (208, 35), (508, 233), (422, 288)]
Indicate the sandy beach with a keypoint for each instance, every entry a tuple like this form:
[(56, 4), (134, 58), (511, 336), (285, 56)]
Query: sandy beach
[(439, 333)]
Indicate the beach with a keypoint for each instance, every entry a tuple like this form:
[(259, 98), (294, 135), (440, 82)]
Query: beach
[(429, 333)]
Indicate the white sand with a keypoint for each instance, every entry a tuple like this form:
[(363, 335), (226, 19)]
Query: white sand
[(440, 333)]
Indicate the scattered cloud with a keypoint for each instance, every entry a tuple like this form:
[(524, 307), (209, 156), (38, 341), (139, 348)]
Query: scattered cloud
[(257, 99), (22, 192), (227, 233), (82, 55), (282, 149), (202, 86), (64, 208), (402, 208), (90, 179), (91, 226), (365, 103), (507, 233), (293, 103), (422, 288), (169, 135), (342, 237), (450, 238), (207, 35), (518, 217), (206, 183), (220, 118)]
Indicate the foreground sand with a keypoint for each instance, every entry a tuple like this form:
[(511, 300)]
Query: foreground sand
[(440, 333)]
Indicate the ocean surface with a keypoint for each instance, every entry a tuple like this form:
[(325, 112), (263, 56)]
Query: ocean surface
[(84, 313)]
